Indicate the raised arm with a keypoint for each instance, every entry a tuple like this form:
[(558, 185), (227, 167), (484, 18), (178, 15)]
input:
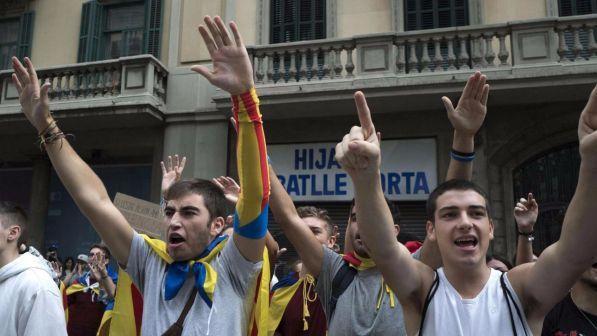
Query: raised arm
[(86, 189), (539, 284), (232, 72), (308, 247), (526, 212), (467, 118), (360, 156)]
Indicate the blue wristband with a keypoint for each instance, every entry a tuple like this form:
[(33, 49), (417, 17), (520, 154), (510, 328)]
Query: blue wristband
[(462, 157)]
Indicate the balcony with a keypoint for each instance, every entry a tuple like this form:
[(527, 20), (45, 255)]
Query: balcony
[(132, 86), (538, 54)]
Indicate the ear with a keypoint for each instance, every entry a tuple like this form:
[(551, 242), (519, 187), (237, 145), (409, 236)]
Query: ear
[(14, 232), (396, 229), (216, 226), (490, 229), (331, 241), (431, 231)]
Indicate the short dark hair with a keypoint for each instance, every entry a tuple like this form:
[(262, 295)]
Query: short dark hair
[(213, 196), (461, 185), (393, 210), (13, 214), (311, 211), (489, 257), (102, 247)]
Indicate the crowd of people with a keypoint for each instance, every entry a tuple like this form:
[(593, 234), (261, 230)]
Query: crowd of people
[(213, 275)]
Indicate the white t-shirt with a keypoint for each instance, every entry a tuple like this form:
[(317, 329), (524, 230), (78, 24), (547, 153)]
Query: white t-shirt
[(487, 314)]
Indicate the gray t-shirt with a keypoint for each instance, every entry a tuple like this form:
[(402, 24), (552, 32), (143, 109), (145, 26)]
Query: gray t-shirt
[(356, 312), (232, 301)]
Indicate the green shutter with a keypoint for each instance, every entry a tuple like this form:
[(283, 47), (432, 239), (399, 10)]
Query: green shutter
[(89, 37), (153, 27), (25, 35)]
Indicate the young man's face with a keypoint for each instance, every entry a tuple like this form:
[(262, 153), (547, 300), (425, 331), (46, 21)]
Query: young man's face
[(352, 232), (189, 227), (319, 228), (95, 253), (462, 227)]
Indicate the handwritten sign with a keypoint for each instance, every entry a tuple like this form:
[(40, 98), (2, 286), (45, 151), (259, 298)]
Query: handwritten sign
[(145, 217)]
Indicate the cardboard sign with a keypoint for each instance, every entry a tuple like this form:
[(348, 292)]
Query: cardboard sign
[(145, 217)]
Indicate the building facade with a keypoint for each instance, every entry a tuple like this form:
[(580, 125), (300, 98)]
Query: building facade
[(121, 84)]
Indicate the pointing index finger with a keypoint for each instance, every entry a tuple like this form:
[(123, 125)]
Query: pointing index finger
[(364, 114)]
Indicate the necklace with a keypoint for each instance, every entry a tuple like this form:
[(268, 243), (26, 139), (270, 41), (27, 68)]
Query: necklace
[(586, 317)]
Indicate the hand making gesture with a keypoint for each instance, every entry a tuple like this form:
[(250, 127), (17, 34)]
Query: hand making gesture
[(34, 100), (469, 114), (172, 172), (526, 212), (232, 70), (359, 152), (229, 186)]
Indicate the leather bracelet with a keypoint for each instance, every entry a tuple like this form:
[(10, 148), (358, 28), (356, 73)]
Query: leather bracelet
[(525, 233)]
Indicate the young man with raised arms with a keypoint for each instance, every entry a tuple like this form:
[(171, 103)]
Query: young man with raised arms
[(193, 260), (465, 297), (366, 305)]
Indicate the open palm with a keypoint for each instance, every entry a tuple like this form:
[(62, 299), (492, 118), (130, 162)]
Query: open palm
[(34, 100), (469, 114), (232, 70)]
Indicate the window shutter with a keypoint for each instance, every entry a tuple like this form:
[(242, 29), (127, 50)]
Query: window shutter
[(294, 20), (89, 36), (153, 27), (25, 35)]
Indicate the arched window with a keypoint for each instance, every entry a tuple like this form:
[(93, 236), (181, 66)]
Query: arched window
[(551, 177)]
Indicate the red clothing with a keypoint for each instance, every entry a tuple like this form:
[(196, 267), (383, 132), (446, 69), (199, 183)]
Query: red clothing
[(84, 316), (292, 320)]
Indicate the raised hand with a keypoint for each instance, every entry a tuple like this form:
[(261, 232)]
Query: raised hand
[(57, 268), (229, 186), (359, 153), (34, 100), (232, 70), (172, 172), (587, 130), (97, 267), (469, 114), (526, 212)]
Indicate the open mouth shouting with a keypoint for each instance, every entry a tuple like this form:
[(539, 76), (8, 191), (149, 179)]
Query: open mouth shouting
[(175, 240), (467, 243)]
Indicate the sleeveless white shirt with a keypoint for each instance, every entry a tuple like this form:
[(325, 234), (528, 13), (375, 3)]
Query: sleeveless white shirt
[(487, 314)]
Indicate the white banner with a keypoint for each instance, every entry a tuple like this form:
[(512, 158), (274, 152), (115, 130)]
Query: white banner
[(309, 171)]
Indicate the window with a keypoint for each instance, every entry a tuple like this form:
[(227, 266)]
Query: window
[(429, 14), (577, 7), (9, 41), (123, 31), (551, 177), (113, 29), (297, 20), (15, 38)]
